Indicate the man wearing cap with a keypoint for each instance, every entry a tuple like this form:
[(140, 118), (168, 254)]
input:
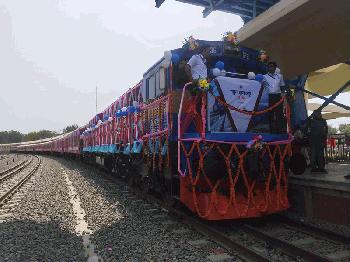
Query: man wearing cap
[(274, 82)]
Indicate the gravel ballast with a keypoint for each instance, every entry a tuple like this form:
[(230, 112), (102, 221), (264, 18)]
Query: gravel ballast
[(41, 226), (125, 228), (69, 211)]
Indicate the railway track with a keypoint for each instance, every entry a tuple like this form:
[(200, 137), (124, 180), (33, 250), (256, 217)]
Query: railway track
[(11, 180), (15, 169), (240, 250), (305, 248), (226, 235), (314, 230), (10, 161)]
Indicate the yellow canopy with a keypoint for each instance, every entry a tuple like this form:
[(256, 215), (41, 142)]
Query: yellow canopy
[(330, 111), (329, 116), (328, 80), (327, 109)]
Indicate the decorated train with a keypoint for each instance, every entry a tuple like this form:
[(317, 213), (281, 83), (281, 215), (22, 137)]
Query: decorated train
[(207, 146)]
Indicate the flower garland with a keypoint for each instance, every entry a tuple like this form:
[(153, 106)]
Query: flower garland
[(203, 84), (256, 144), (231, 38), (191, 42)]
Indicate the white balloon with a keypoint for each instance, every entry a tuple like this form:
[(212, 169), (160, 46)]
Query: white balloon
[(251, 75), (124, 109), (216, 72), (277, 71)]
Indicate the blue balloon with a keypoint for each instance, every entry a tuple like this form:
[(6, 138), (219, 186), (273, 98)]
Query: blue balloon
[(220, 65), (131, 109), (175, 58), (259, 77)]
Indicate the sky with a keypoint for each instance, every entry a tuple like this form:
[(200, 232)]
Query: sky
[(53, 53)]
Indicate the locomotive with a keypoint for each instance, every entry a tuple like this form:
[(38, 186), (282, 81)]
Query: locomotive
[(208, 147)]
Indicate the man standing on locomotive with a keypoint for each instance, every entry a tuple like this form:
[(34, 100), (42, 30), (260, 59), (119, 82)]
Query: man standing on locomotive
[(274, 82), (196, 67)]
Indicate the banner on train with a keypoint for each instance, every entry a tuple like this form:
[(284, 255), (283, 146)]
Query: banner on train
[(240, 93)]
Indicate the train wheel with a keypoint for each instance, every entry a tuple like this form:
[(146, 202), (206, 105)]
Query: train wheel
[(131, 181), (297, 164), (169, 200), (146, 184), (117, 166)]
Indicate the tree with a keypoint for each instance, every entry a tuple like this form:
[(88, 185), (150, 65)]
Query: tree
[(32, 136), (344, 129), (332, 130), (70, 128), (17, 137), (10, 137)]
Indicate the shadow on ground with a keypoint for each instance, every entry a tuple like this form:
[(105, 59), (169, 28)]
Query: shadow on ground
[(26, 240)]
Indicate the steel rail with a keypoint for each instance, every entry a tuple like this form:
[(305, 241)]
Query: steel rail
[(286, 247), (232, 245), (243, 252), (12, 168), (19, 167), (20, 183), (314, 230)]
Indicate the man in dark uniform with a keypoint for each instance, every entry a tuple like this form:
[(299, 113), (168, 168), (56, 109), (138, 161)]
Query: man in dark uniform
[(318, 138)]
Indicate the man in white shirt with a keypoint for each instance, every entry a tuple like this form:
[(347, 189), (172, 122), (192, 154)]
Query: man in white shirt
[(274, 82), (196, 67)]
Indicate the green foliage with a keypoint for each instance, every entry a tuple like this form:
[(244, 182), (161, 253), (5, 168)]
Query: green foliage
[(332, 130), (17, 137), (32, 136), (10, 137), (70, 128), (344, 128)]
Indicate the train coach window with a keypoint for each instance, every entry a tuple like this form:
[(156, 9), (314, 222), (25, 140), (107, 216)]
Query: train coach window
[(162, 78), (151, 88), (157, 82)]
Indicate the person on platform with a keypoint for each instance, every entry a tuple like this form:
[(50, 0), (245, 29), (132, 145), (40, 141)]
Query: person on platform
[(299, 142), (318, 139), (196, 67), (274, 82)]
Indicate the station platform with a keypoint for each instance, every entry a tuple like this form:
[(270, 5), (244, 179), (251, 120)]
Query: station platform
[(322, 196)]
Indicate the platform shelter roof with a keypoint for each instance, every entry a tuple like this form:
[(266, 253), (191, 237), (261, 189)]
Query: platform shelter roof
[(328, 80), (246, 9), (301, 35)]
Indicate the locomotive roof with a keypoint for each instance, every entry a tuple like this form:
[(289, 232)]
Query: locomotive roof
[(184, 52)]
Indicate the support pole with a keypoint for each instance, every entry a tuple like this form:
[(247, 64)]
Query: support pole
[(325, 98), (254, 8)]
